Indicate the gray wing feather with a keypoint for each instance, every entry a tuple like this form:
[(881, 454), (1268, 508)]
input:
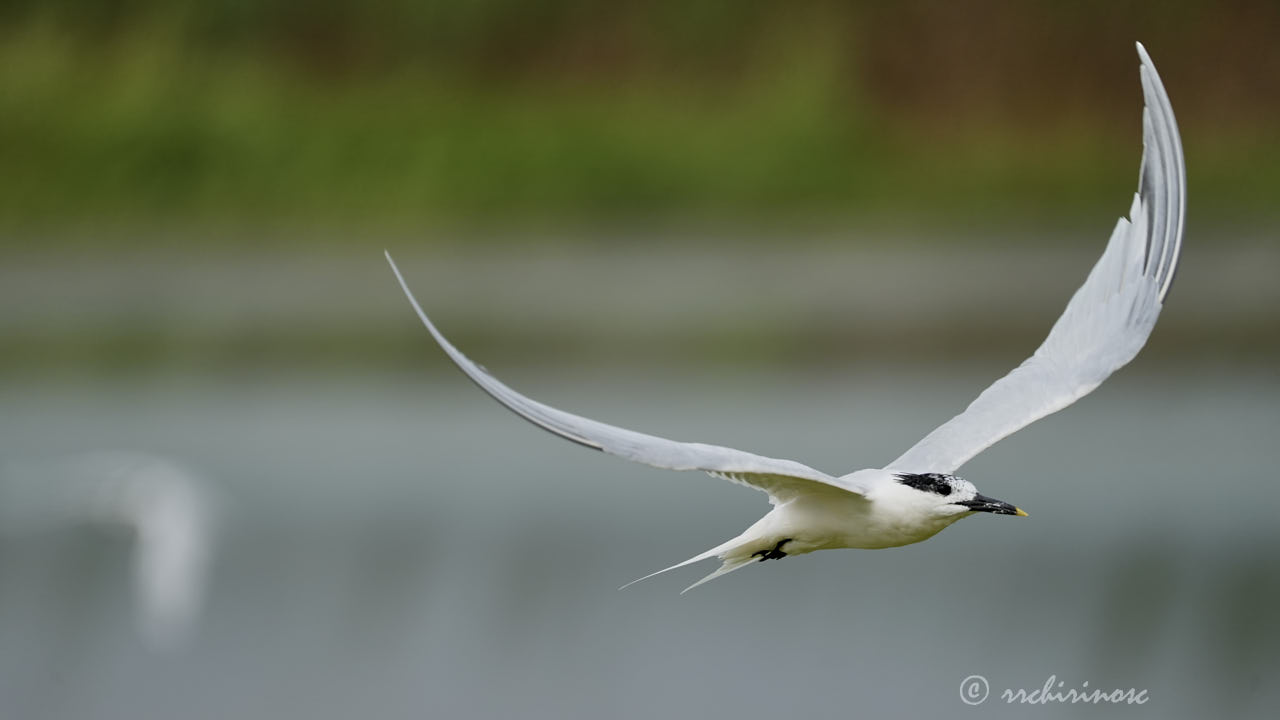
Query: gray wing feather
[(781, 479), (1106, 322)]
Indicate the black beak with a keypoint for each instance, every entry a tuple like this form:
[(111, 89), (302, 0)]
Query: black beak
[(982, 503)]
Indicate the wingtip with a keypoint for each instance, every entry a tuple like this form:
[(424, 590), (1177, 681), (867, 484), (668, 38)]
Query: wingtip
[(1142, 54), (399, 277)]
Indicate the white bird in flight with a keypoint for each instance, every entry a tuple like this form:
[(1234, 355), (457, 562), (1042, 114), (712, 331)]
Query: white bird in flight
[(914, 497), (171, 512)]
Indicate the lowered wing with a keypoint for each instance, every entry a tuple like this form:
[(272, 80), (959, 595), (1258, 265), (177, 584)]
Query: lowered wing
[(781, 479)]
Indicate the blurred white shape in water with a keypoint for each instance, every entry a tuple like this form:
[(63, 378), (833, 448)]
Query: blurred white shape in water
[(169, 509)]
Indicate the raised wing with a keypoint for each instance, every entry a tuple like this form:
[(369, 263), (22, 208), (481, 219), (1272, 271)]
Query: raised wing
[(781, 479), (1107, 321)]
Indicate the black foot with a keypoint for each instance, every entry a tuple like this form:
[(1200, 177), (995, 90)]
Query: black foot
[(774, 554)]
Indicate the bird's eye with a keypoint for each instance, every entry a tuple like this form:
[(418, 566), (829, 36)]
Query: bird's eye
[(935, 483)]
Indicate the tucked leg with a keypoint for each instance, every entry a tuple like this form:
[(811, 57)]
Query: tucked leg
[(773, 554)]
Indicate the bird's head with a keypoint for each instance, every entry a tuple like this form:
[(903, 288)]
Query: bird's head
[(950, 495)]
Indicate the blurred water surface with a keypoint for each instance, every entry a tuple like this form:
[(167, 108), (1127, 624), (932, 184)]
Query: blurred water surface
[(396, 545)]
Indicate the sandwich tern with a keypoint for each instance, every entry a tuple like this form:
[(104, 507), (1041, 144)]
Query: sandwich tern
[(914, 497)]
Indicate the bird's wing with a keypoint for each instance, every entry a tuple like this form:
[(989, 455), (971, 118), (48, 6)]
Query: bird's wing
[(1107, 321), (781, 479)]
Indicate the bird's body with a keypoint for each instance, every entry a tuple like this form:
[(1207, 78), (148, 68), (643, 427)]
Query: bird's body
[(891, 509), (918, 495)]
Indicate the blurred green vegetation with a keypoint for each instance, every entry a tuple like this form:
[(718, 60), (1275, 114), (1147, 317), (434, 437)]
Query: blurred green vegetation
[(403, 115)]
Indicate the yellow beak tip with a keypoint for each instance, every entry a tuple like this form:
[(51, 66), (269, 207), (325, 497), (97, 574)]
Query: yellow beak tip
[(1020, 512)]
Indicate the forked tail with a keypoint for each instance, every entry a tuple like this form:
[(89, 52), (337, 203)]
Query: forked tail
[(732, 554)]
